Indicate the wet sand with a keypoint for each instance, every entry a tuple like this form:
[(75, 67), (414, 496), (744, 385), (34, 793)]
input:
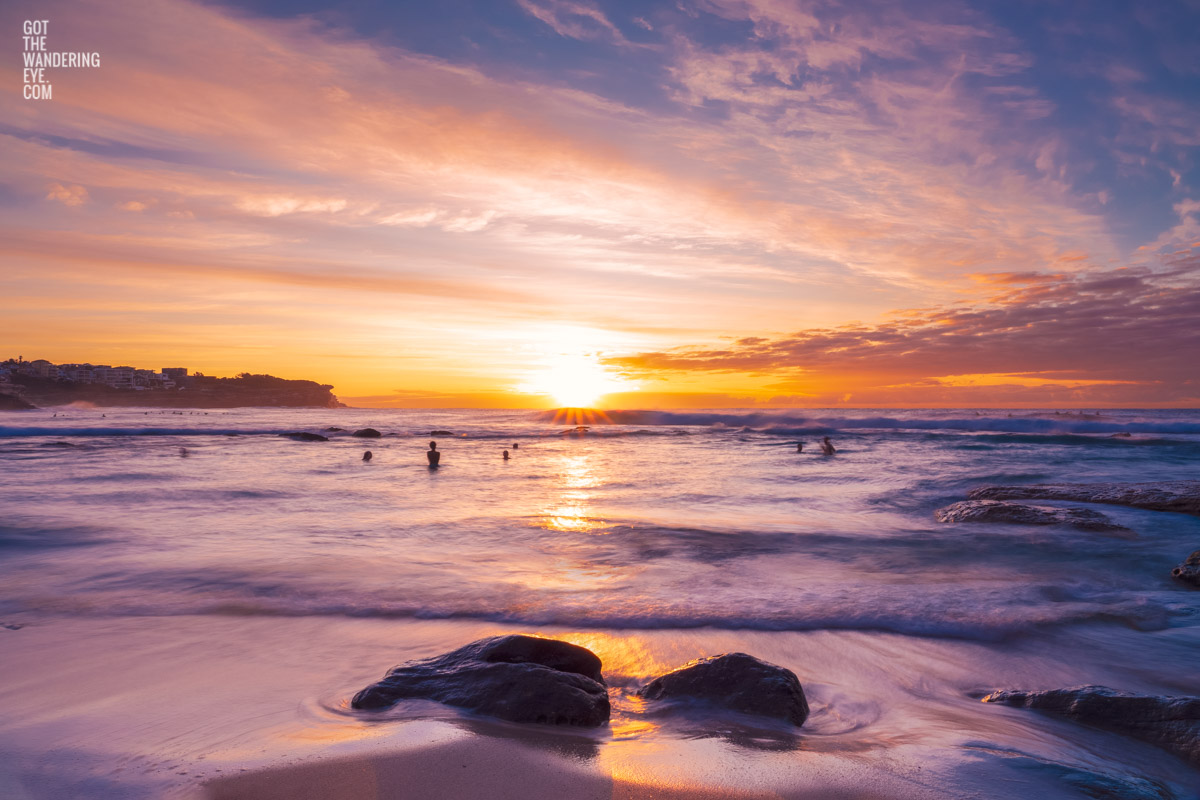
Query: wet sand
[(256, 709)]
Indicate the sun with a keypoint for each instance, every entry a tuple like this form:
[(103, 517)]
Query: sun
[(575, 381)]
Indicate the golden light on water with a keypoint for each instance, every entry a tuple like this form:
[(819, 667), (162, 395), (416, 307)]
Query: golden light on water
[(572, 513), (570, 517)]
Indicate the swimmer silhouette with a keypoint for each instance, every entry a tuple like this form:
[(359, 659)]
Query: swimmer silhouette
[(515, 446), (367, 456), (433, 455), (827, 447), (506, 455), (799, 447)]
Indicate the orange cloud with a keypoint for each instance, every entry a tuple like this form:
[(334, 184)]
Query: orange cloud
[(1114, 337)]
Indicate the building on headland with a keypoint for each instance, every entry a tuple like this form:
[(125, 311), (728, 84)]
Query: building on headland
[(123, 377), (44, 383), (42, 369), (80, 373)]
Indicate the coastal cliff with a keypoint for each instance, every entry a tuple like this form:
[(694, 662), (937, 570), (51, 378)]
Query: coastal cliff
[(199, 392)]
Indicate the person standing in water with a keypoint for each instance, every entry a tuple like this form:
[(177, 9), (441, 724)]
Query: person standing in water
[(367, 456), (827, 447), (516, 446), (433, 455), (799, 447), (506, 455)]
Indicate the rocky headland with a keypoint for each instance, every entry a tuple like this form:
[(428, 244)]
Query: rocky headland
[(245, 390)]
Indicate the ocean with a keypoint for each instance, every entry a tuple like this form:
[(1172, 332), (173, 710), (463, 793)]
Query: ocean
[(292, 573)]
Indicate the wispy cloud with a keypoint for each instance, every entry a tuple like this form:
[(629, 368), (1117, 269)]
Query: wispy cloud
[(574, 19)]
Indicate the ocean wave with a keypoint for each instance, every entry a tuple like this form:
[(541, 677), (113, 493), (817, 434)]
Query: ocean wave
[(20, 432), (907, 622), (789, 424)]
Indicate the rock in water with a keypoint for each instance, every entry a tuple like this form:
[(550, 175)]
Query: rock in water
[(1182, 496), (1189, 570), (1172, 723), (517, 678), (367, 433), (301, 436), (738, 682), (1015, 513), (440, 433)]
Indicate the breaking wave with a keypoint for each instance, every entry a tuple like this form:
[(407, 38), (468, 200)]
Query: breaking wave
[(784, 423)]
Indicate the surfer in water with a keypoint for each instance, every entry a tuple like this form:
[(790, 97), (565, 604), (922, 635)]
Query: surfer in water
[(799, 447), (506, 455), (433, 455), (827, 447), (367, 456)]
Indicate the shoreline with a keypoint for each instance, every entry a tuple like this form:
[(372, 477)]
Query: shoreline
[(227, 708)]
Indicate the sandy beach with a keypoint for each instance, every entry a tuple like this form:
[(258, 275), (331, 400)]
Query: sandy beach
[(257, 710)]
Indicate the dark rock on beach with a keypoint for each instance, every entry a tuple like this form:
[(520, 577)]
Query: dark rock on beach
[(10, 402), (302, 436), (1189, 570), (517, 678), (1172, 723), (367, 433), (738, 682), (1017, 514), (1182, 496)]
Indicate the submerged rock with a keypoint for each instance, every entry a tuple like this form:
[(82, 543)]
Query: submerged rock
[(367, 433), (334, 430), (738, 682), (301, 436), (1172, 723), (1096, 785), (1018, 514), (517, 678), (440, 433), (1182, 496), (1189, 570)]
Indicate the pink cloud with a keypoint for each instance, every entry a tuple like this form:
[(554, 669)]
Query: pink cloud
[(574, 19), (67, 195)]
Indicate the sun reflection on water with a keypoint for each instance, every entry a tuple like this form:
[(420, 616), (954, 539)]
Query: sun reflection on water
[(572, 513)]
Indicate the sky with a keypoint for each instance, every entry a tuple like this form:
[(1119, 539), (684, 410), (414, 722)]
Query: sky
[(530, 203)]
